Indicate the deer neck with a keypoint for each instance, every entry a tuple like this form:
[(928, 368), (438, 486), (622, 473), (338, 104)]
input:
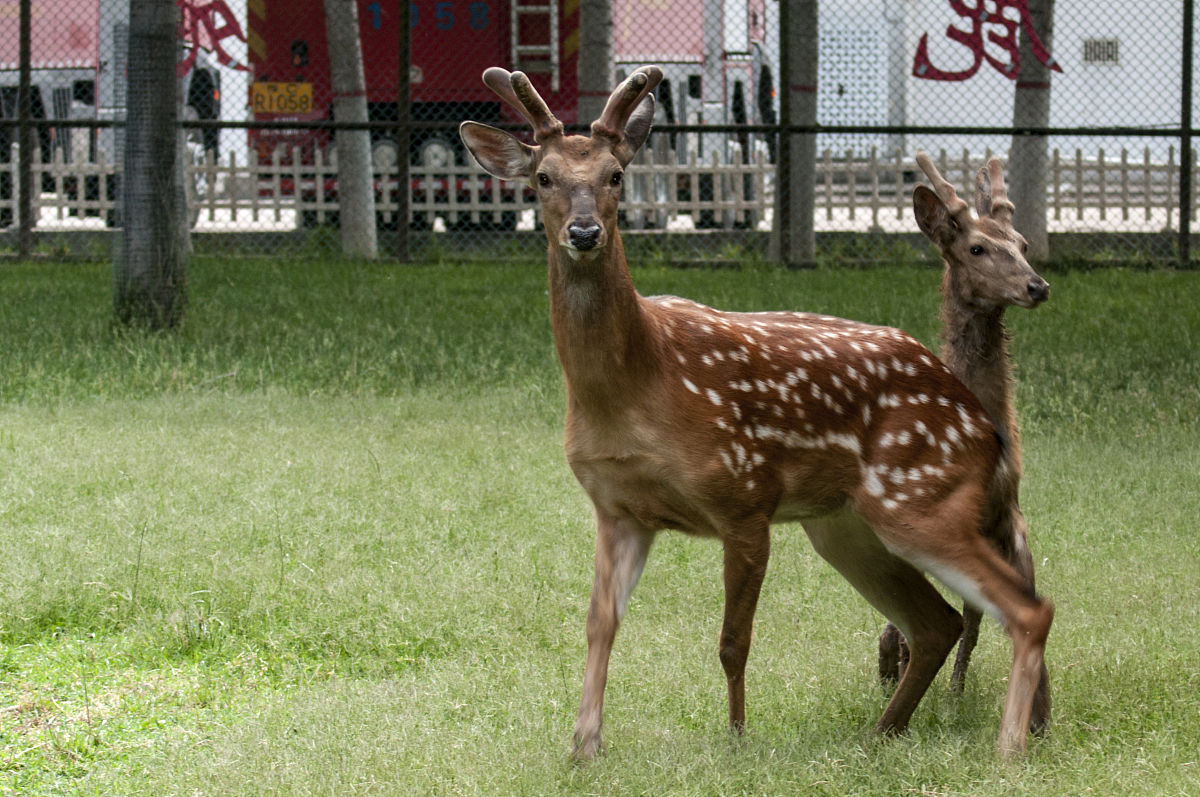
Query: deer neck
[(603, 339), (976, 350)]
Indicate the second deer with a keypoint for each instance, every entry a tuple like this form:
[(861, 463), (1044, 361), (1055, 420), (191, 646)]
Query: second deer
[(718, 424), (985, 272)]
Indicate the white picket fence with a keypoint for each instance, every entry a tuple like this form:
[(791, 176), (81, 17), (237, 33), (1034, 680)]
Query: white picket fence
[(1128, 192)]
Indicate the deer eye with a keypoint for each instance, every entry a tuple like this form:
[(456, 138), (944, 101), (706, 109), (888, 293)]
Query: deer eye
[(977, 250), (616, 178), (543, 178)]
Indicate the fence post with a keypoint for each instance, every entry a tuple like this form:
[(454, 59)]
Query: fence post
[(795, 186), (25, 135), (403, 142), (1185, 140), (1027, 152), (781, 230)]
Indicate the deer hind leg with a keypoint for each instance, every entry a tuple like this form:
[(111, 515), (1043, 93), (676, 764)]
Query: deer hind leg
[(902, 594), (746, 558), (622, 546), (1009, 536), (1022, 559), (945, 546)]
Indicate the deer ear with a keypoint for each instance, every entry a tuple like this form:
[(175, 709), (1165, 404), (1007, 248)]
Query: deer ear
[(501, 154), (933, 217), (638, 126)]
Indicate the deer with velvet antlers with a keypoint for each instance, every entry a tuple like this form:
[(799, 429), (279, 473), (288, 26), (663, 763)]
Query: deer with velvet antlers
[(720, 424), (985, 272)]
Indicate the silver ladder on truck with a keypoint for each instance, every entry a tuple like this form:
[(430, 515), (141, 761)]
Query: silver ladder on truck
[(540, 56)]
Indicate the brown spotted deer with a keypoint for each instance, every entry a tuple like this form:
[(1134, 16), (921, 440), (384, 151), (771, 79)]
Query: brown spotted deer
[(719, 424), (985, 272)]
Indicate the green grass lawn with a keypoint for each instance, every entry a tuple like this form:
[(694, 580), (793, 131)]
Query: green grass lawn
[(323, 540)]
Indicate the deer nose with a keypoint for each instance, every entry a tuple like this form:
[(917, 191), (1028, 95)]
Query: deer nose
[(1039, 290), (583, 233)]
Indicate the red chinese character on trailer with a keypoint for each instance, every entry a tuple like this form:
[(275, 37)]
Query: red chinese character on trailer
[(205, 25), (991, 22)]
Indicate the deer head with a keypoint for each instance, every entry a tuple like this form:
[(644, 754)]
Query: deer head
[(984, 255), (578, 178)]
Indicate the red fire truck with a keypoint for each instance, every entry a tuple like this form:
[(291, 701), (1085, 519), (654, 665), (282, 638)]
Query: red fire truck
[(453, 41)]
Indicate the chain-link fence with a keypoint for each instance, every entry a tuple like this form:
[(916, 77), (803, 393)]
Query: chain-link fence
[(1084, 101)]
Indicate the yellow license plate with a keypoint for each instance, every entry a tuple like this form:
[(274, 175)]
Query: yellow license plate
[(281, 97)]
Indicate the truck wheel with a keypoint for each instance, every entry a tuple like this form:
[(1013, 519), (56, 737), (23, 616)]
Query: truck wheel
[(436, 152)]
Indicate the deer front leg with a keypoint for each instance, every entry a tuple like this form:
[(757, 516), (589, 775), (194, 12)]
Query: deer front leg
[(893, 655), (966, 645), (621, 549), (745, 566)]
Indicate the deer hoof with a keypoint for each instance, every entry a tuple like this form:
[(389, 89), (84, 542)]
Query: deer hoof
[(587, 747)]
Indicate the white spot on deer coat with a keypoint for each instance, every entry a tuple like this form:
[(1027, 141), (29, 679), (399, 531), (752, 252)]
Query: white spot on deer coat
[(967, 425), (690, 385), (846, 441)]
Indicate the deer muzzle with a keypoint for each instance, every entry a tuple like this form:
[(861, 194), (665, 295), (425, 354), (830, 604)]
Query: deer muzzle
[(1039, 291), (584, 234)]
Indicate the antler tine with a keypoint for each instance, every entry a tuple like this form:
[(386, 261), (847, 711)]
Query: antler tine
[(991, 195), (624, 99), (515, 89), (943, 188)]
